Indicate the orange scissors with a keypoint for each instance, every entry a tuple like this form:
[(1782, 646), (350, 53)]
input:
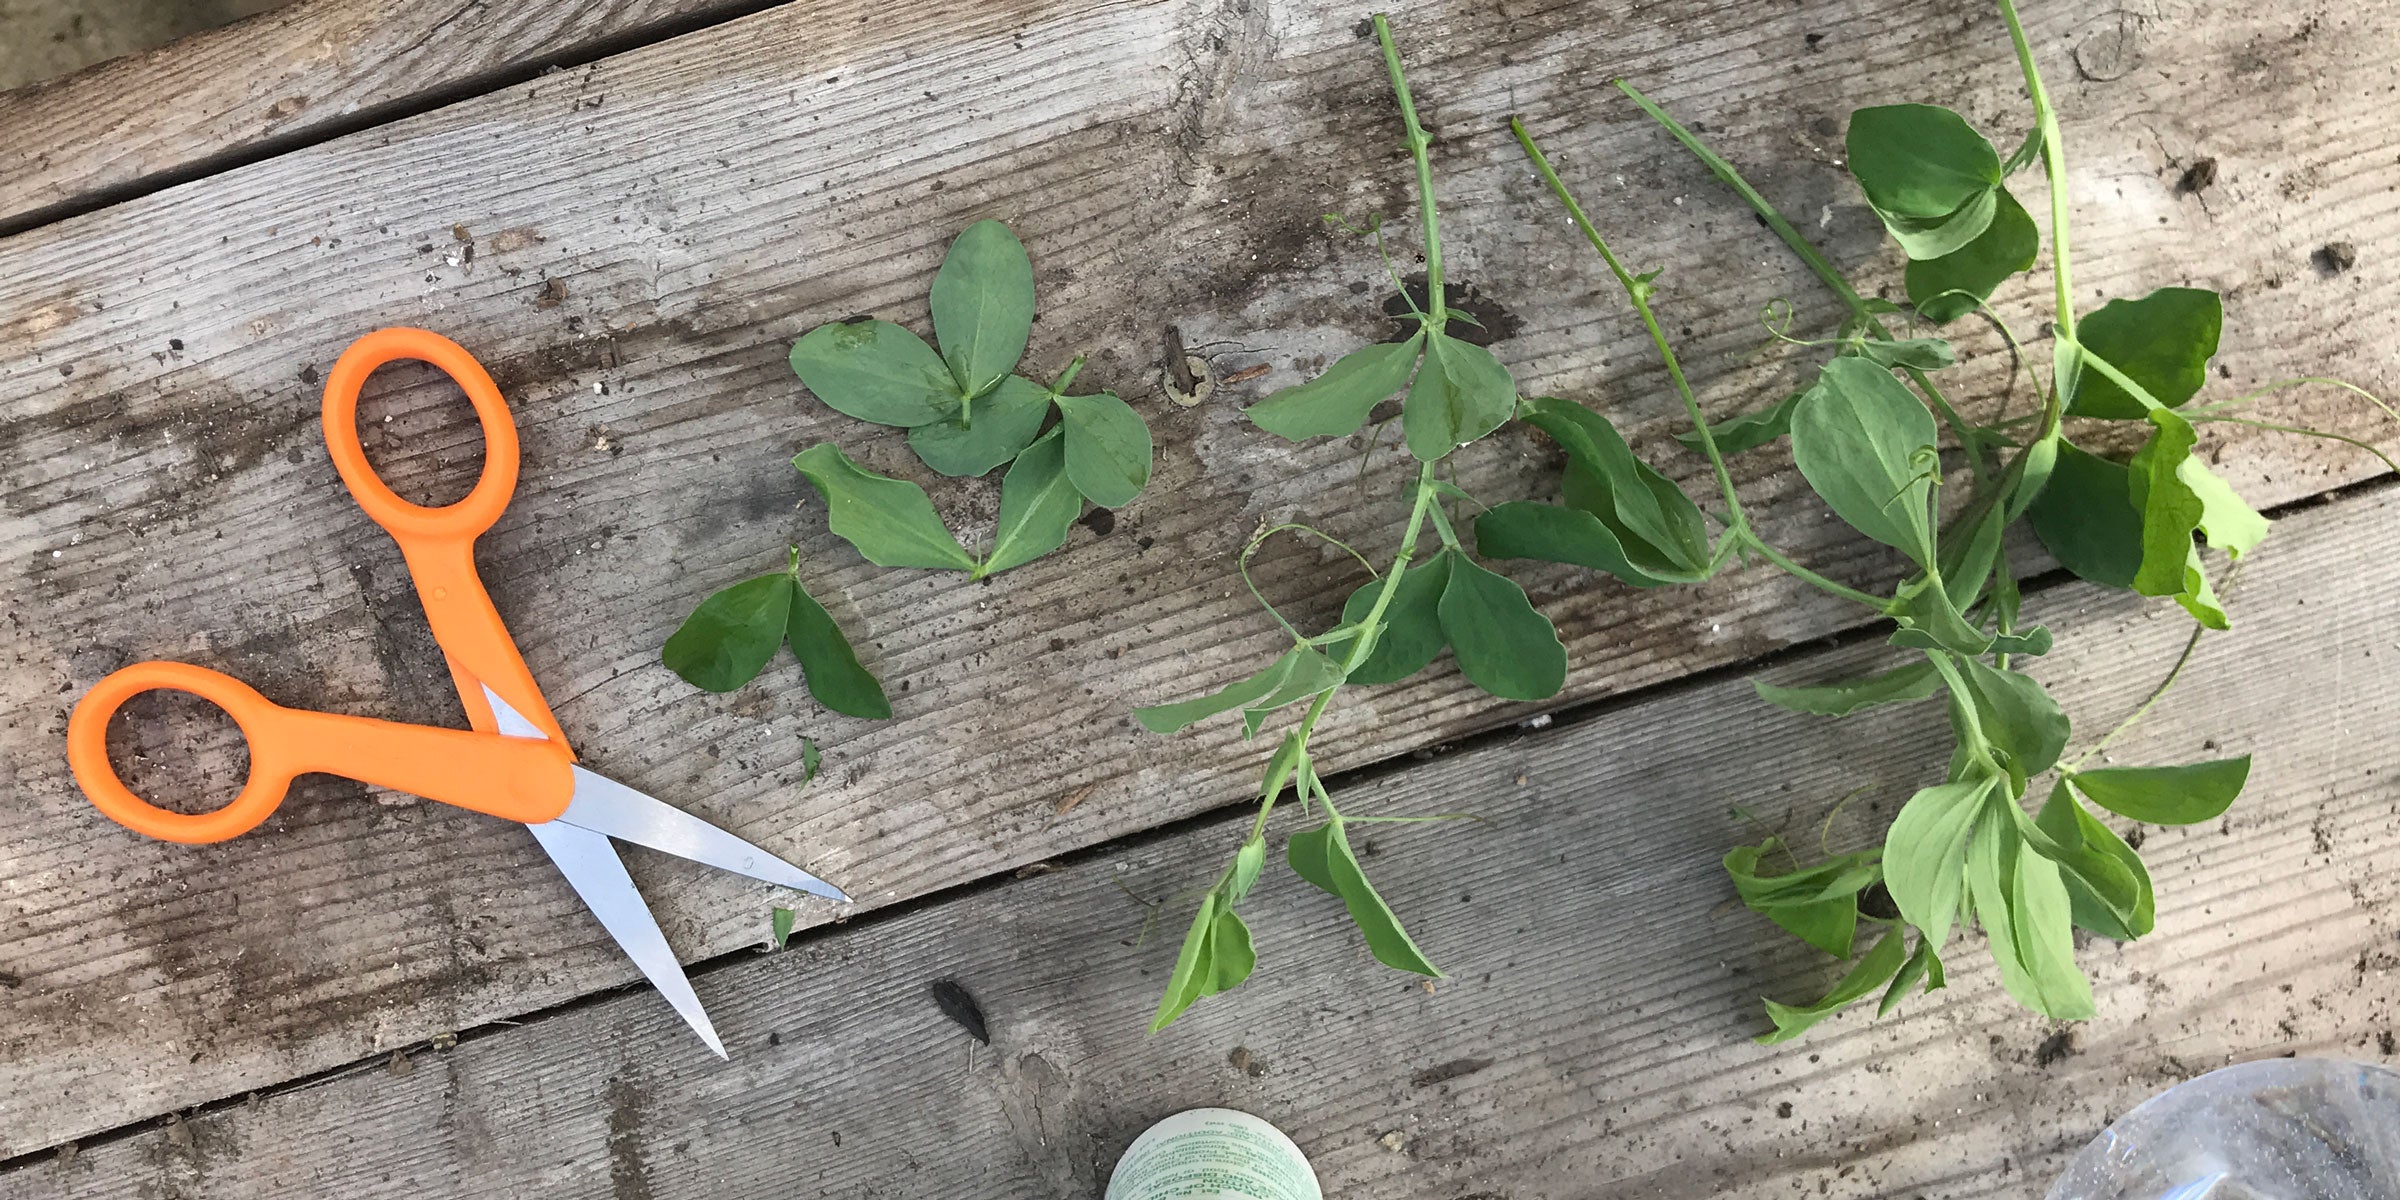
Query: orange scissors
[(515, 764)]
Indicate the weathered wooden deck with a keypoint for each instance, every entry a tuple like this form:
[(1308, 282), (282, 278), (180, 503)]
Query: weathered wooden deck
[(192, 236)]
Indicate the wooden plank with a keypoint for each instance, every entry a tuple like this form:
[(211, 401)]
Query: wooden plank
[(1593, 1036), (301, 74), (1167, 162)]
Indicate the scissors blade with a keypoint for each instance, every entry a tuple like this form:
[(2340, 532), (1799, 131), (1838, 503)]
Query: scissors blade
[(590, 863), (512, 723), (603, 805)]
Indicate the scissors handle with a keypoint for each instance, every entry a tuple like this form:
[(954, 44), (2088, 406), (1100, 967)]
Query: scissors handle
[(462, 521), (439, 543), (520, 779)]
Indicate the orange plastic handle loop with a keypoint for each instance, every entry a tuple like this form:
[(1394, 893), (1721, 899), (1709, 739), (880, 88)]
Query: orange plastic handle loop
[(415, 522), (520, 779), (87, 753)]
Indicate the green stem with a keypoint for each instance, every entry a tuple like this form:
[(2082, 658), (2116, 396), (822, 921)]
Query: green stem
[(1360, 646), (1067, 376), (1737, 525), (1418, 143), (1826, 272), (1636, 290), (1971, 721), (2054, 164)]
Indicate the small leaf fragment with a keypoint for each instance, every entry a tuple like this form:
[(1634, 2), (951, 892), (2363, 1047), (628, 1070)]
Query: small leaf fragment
[(779, 925)]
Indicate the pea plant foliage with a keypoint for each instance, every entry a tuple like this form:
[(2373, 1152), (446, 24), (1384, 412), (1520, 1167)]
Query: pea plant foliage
[(968, 413), (1864, 435), (2012, 838)]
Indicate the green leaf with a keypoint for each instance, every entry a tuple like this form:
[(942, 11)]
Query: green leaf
[(983, 305), (1311, 672), (1864, 443), (730, 637), (1749, 430), (1549, 533), (1247, 863), (2162, 341), (2085, 517), (1193, 970), (1331, 866), (1929, 621), (1502, 644), (1923, 966), (2018, 716), (2166, 795), (1927, 173), (1460, 394), (1818, 905), (1878, 965), (829, 665), (1412, 623), (890, 521), (1282, 765), (1336, 403), (1947, 288), (1300, 662), (2177, 496), (2226, 521), (2034, 642), (2105, 879), (875, 371), (810, 759), (1108, 448), (1038, 505), (1307, 855), (1005, 422), (779, 925), (1923, 354), (1231, 958), (1900, 685), (2029, 918), (1924, 854), (1660, 529)]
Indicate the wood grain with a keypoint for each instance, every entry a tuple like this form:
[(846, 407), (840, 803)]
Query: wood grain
[(651, 232), (300, 74), (1592, 1038)]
